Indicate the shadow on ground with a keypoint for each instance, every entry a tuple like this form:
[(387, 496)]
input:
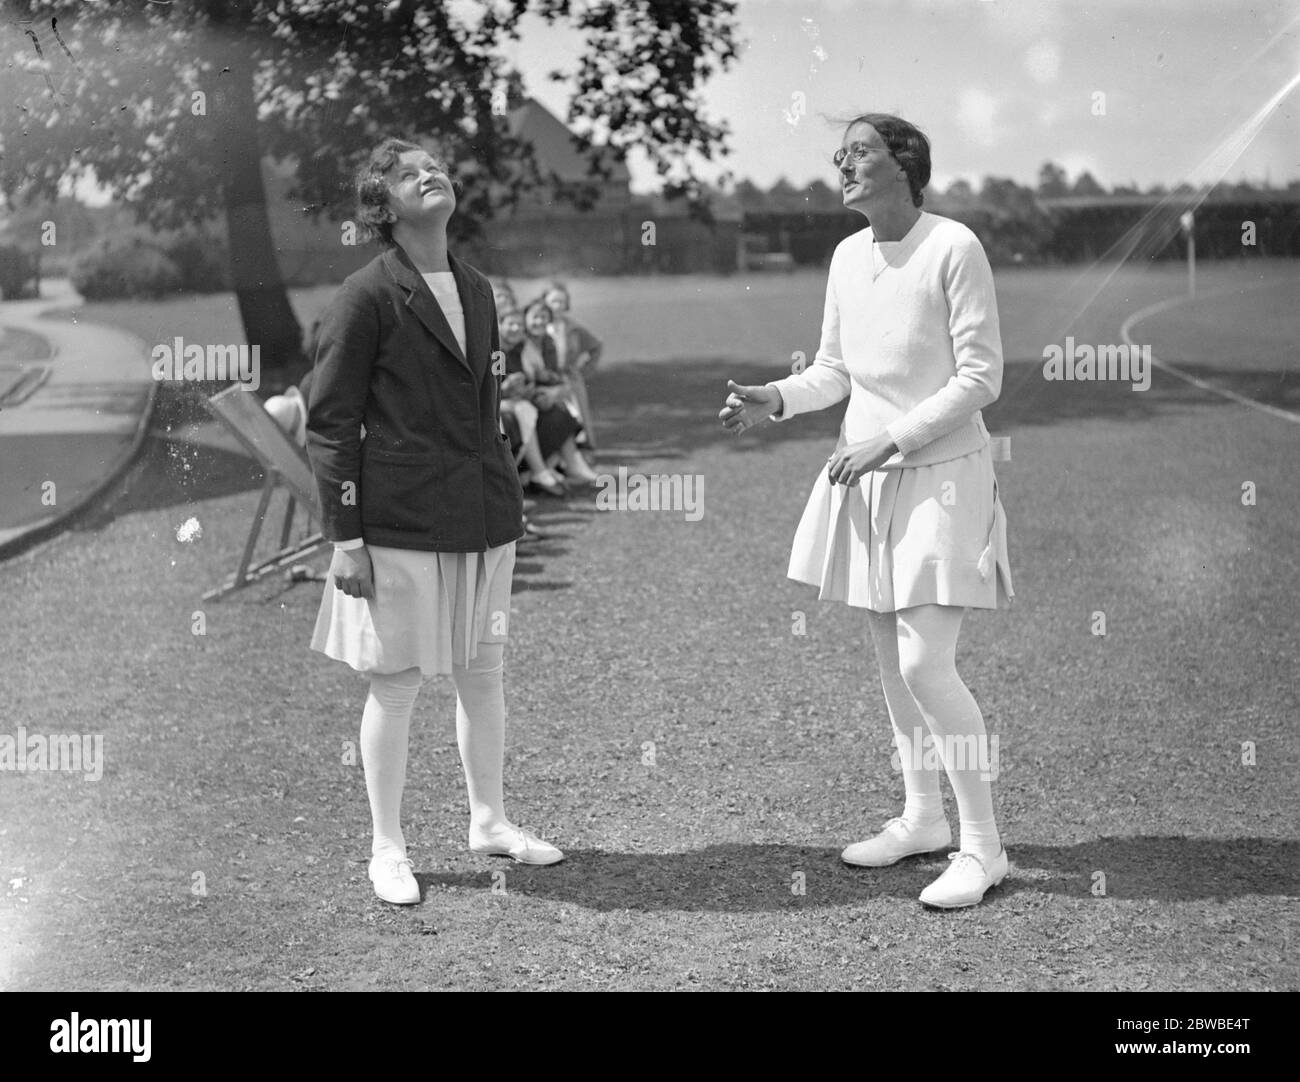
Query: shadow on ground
[(735, 877), (171, 472), (666, 409)]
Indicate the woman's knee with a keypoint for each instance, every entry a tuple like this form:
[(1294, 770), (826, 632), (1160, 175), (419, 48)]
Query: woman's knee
[(927, 640), (917, 670), (407, 678), (489, 659), (396, 689), (928, 669)]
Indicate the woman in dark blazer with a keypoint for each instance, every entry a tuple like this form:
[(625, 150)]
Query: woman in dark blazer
[(420, 496)]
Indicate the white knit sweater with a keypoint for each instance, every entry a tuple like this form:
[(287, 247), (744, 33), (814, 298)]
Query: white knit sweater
[(910, 334)]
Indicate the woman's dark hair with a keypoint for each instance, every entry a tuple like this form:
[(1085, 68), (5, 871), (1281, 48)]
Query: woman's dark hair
[(373, 214), (908, 145), (537, 302)]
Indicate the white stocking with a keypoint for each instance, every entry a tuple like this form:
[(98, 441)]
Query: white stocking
[(924, 804), (385, 727), (927, 661), (481, 734)]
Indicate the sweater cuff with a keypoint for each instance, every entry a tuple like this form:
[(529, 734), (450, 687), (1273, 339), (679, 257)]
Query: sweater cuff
[(907, 437)]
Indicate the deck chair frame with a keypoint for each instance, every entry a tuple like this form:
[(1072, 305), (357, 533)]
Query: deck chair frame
[(286, 466)]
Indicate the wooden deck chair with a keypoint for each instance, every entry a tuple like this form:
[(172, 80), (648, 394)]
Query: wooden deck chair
[(286, 466)]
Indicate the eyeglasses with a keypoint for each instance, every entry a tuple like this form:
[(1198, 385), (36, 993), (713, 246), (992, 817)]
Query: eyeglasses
[(856, 153)]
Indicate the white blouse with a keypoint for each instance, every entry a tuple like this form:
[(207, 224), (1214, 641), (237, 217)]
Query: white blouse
[(443, 285)]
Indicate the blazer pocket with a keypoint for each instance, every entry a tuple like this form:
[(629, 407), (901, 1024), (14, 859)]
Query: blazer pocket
[(400, 489), (507, 456)]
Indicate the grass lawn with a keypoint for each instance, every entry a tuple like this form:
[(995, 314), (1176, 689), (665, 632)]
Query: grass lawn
[(225, 845)]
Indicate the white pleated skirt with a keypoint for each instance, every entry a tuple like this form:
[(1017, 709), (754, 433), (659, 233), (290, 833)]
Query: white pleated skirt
[(919, 535), (430, 609)]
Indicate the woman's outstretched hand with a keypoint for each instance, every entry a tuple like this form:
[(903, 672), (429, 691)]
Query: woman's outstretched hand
[(849, 464), (749, 406), (353, 572)]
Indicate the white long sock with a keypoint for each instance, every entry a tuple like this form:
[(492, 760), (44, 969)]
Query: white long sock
[(927, 652), (924, 803), (481, 734), (385, 728)]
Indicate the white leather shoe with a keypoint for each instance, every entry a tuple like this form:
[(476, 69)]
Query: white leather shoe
[(580, 473), (965, 881), (394, 880), (896, 840), (517, 844)]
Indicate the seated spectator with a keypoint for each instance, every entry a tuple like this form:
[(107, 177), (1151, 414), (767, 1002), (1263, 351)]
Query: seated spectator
[(519, 422), (503, 295), (537, 321), (577, 350), (549, 435)]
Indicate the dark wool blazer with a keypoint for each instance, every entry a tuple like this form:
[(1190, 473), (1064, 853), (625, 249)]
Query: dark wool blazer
[(433, 471)]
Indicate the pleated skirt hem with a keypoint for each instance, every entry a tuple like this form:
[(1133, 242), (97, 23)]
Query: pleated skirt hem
[(922, 535), (430, 610)]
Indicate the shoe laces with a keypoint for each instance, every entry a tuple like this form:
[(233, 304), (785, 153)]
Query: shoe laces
[(508, 835), (393, 865), (969, 856), (901, 821)]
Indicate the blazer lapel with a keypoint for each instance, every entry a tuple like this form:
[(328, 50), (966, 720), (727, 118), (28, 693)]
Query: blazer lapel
[(476, 300), (420, 301)]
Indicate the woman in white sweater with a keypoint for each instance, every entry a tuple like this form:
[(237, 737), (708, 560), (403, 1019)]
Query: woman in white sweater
[(905, 521)]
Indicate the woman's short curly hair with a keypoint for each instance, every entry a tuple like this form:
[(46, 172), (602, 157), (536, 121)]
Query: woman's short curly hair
[(908, 145), (538, 302), (373, 214)]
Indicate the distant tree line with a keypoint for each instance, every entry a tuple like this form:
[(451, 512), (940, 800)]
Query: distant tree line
[(1058, 221), (108, 253)]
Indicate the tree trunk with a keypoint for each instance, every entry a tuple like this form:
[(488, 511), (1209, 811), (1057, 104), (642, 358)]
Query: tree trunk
[(269, 321)]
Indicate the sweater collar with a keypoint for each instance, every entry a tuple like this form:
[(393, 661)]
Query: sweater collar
[(896, 253), (919, 228)]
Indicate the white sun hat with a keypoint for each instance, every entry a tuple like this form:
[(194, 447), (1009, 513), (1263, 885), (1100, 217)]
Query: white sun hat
[(290, 413)]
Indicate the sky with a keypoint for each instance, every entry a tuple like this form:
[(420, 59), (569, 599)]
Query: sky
[(999, 86)]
